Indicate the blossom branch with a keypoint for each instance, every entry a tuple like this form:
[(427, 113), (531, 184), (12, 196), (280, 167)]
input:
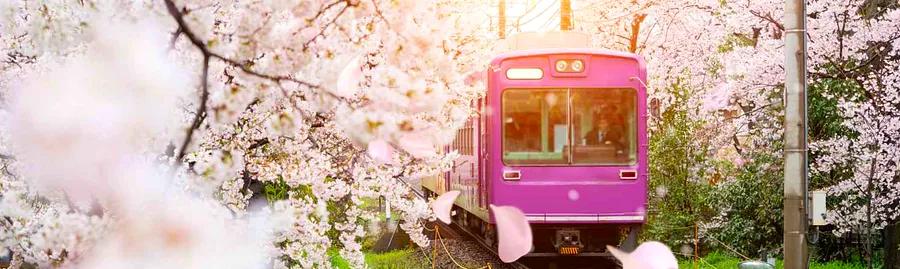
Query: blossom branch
[(183, 29), (201, 110), (325, 27)]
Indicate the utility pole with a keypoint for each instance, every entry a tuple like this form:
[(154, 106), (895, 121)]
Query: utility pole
[(501, 32), (565, 15), (795, 149)]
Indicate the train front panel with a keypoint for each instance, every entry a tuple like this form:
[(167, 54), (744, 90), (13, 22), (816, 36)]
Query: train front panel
[(567, 144)]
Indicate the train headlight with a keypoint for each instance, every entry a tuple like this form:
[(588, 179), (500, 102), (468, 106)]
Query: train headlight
[(569, 66), (561, 66), (577, 65)]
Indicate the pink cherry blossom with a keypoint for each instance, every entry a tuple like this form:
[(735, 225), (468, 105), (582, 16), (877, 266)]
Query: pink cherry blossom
[(475, 78), (349, 79)]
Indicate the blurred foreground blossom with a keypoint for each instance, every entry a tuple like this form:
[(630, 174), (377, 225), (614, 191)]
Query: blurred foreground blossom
[(75, 124), (82, 129)]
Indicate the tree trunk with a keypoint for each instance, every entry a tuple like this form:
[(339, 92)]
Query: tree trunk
[(892, 246), (635, 32)]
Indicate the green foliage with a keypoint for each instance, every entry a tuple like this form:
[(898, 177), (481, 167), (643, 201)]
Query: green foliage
[(721, 261), (276, 190), (713, 260), (674, 157), (398, 259), (751, 206), (825, 119)]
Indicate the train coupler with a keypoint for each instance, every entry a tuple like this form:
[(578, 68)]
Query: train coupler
[(568, 242)]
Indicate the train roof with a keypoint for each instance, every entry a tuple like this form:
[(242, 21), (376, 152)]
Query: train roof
[(642, 66), (535, 52)]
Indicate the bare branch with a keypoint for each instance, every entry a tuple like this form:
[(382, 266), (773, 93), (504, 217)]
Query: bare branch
[(201, 110)]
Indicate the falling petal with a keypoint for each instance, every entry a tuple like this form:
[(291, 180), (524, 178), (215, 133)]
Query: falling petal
[(381, 151), (649, 255), (442, 205), (661, 191), (348, 81), (513, 233), (573, 195), (309, 33), (686, 250), (417, 144), (551, 99)]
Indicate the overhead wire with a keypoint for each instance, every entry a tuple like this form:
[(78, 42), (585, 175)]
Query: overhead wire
[(550, 20), (544, 10)]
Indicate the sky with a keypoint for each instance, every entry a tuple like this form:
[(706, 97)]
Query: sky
[(530, 15)]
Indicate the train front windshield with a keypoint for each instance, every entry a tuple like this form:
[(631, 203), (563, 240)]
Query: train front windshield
[(537, 124)]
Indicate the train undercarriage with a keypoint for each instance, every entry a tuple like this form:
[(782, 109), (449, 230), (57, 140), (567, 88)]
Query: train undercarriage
[(552, 240)]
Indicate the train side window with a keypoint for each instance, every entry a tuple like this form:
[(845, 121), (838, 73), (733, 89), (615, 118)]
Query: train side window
[(466, 138), (469, 137)]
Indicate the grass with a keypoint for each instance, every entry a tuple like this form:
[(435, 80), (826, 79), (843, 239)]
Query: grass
[(722, 261), (398, 259)]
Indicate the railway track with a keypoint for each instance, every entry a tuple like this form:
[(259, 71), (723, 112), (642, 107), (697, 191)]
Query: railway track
[(453, 231)]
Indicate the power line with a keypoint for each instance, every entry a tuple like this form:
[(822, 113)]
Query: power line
[(550, 20), (538, 15)]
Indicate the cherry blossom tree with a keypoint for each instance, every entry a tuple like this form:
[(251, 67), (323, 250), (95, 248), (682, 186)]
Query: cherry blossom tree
[(729, 54), (863, 161), (342, 101)]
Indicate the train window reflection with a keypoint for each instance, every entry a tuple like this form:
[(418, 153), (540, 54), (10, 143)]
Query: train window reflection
[(606, 126), (535, 126)]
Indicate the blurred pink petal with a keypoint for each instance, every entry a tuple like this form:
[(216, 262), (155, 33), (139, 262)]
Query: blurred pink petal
[(649, 255), (348, 81), (513, 233), (381, 151), (475, 77), (308, 33), (442, 205), (417, 144)]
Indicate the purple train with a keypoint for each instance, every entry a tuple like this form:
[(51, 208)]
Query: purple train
[(561, 134)]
